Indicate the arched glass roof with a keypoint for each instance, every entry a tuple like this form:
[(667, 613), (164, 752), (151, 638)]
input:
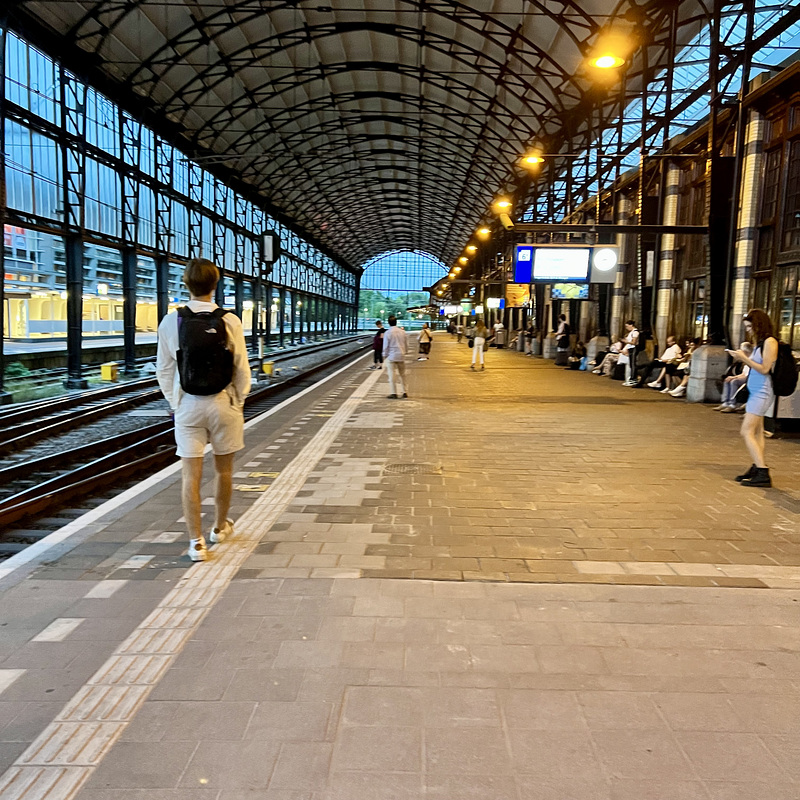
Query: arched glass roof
[(387, 124), (402, 271)]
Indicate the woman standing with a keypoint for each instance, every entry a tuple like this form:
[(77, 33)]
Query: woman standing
[(761, 397), (425, 339), (481, 335)]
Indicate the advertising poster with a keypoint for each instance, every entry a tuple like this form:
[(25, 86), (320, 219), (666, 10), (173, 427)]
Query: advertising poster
[(518, 295)]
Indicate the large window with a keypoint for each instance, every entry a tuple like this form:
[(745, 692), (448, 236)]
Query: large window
[(789, 305), (173, 208), (393, 282), (791, 216)]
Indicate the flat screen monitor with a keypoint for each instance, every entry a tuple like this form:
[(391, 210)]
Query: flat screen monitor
[(570, 291), (561, 264), (551, 264)]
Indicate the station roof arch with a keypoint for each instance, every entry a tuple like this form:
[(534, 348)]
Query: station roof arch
[(373, 125)]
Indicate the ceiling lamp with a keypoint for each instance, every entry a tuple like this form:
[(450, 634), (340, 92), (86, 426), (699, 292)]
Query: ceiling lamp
[(502, 204), (463, 259), (471, 248), (608, 61), (484, 232), (532, 160)]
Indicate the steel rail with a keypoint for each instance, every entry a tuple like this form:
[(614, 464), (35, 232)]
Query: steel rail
[(125, 463)]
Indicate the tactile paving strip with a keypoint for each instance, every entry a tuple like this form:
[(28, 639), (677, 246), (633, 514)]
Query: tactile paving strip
[(62, 758)]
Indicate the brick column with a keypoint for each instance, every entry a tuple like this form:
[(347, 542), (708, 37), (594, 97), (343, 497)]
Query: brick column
[(666, 258), (623, 218), (747, 233)]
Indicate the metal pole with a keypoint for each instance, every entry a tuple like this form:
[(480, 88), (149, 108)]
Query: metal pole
[(5, 397), (129, 309), (162, 287), (281, 315), (73, 251)]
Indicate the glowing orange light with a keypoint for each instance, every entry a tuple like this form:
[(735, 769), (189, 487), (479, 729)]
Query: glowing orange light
[(608, 61)]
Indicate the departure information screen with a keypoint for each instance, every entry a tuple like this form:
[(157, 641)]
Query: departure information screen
[(547, 264)]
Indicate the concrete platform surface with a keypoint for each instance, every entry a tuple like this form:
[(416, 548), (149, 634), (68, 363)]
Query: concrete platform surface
[(518, 583)]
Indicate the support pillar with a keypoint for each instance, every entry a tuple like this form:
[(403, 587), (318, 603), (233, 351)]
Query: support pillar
[(267, 314), (5, 397), (162, 287), (292, 315), (666, 257), (238, 296), (129, 310), (73, 255), (747, 224), (623, 218), (282, 316)]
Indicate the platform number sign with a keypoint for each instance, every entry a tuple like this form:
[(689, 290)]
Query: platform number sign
[(270, 252)]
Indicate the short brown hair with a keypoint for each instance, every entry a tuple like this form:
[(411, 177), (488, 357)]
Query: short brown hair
[(761, 323), (201, 276)]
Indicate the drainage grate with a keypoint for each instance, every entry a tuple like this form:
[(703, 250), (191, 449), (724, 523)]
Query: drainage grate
[(411, 469)]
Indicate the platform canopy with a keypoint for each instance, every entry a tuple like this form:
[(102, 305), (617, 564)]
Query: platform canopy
[(373, 124)]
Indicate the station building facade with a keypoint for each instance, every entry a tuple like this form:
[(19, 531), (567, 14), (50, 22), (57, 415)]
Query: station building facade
[(664, 283)]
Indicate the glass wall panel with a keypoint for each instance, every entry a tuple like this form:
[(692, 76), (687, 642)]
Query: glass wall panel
[(33, 174), (146, 307), (35, 278), (35, 296), (32, 80), (102, 291), (178, 293), (103, 199), (102, 123)]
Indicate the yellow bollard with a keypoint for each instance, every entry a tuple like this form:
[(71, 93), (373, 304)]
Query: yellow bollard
[(266, 368)]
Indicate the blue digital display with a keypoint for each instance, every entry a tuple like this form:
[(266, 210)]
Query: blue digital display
[(551, 263), (523, 263)]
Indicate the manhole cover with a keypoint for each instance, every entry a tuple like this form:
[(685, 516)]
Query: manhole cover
[(411, 469)]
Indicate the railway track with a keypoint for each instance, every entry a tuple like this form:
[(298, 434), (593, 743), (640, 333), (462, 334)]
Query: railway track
[(54, 482)]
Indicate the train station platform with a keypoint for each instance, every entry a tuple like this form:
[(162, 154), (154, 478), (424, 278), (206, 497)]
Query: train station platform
[(523, 583)]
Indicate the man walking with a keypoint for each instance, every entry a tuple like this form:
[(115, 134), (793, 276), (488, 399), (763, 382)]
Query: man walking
[(395, 347), (204, 373)]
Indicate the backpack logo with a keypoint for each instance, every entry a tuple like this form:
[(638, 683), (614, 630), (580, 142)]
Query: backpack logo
[(205, 363)]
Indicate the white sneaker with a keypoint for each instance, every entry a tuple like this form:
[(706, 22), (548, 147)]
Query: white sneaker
[(666, 390), (679, 392), (628, 383), (654, 384), (198, 550), (219, 535)]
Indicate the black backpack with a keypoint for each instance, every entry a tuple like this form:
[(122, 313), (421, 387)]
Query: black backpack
[(205, 363), (784, 373)]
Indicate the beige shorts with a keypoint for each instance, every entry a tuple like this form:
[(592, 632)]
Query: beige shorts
[(215, 419)]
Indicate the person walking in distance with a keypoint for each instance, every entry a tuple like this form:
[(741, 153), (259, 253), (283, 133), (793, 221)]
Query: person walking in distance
[(425, 339), (377, 346), (761, 397), (395, 347), (481, 335), (204, 373)]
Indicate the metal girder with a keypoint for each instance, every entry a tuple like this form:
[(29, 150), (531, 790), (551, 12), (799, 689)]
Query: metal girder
[(645, 230)]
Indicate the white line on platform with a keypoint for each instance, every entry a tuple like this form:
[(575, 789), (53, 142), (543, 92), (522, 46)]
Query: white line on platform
[(58, 630), (8, 676), (78, 526), (65, 754), (104, 590)]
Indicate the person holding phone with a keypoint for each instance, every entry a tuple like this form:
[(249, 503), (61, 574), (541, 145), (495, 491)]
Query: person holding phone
[(761, 397)]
